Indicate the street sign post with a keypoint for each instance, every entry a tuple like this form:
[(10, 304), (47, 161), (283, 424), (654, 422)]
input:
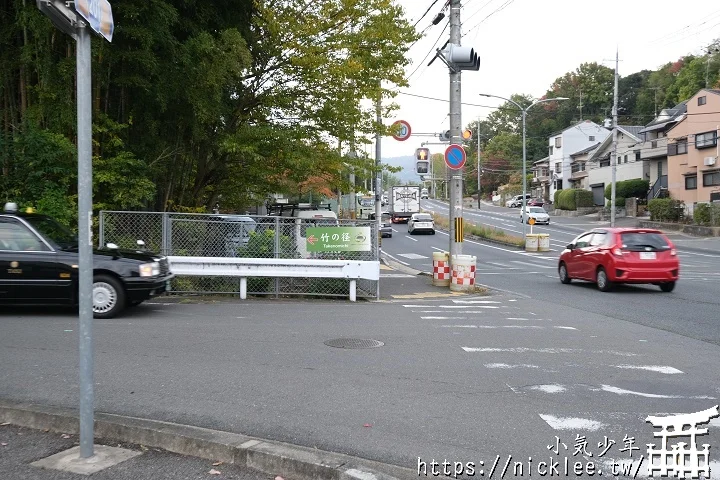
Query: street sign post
[(338, 239), (455, 157), (403, 130), (98, 14)]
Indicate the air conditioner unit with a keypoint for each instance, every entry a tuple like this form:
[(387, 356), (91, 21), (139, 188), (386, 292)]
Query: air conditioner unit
[(709, 161)]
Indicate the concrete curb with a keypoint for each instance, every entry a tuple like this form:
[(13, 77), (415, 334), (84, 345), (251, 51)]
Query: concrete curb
[(276, 458)]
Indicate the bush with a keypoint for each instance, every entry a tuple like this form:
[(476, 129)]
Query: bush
[(707, 214), (584, 198), (628, 189), (665, 209), (566, 200), (556, 198)]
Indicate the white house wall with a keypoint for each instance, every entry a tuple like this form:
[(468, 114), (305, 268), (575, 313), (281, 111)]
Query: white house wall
[(574, 139), (625, 171)]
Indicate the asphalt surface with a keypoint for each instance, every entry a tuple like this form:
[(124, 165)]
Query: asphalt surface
[(19, 447), (463, 378), (691, 310)]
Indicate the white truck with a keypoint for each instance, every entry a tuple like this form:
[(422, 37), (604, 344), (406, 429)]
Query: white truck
[(404, 201)]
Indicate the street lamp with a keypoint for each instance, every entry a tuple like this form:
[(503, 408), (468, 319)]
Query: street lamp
[(524, 114)]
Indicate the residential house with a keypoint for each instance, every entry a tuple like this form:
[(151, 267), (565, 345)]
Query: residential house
[(578, 167), (654, 149), (629, 162), (561, 144), (540, 187), (693, 165)]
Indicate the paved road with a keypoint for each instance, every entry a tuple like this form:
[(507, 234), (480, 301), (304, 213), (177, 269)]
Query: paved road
[(691, 310), (465, 378)]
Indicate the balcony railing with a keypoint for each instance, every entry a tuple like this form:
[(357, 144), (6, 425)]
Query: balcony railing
[(654, 149)]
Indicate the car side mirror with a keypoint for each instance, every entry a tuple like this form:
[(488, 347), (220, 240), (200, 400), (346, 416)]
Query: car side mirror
[(570, 246)]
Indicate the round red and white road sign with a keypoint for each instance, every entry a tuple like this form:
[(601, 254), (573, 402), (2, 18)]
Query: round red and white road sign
[(403, 130)]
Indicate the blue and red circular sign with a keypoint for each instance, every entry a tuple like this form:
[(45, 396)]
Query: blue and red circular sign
[(455, 157), (403, 130)]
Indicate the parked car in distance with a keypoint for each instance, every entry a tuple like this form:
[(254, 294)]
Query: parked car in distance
[(39, 266), (516, 201), (621, 255), (537, 213), (421, 222), (385, 224), (536, 202)]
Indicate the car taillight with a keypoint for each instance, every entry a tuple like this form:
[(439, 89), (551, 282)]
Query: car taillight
[(617, 252)]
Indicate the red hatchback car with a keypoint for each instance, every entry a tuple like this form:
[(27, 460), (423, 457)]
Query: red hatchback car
[(621, 255)]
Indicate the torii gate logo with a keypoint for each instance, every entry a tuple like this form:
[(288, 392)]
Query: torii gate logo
[(679, 461)]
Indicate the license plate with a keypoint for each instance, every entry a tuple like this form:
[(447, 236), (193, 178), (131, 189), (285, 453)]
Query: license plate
[(647, 256)]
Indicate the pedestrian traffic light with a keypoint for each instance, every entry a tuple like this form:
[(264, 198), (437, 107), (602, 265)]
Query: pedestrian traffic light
[(462, 58), (422, 153), (422, 167)]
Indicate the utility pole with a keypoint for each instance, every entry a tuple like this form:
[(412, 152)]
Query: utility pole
[(455, 179), (479, 171), (614, 151), (378, 171)]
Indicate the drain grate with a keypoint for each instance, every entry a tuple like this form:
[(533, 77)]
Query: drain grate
[(354, 343)]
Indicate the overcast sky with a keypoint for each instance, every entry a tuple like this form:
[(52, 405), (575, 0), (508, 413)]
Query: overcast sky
[(527, 44)]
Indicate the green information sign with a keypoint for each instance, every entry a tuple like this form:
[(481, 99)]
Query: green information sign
[(338, 239)]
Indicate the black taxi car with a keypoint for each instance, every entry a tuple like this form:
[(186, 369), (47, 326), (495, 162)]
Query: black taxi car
[(39, 266)]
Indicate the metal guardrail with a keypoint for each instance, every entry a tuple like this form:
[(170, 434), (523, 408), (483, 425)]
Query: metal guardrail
[(276, 267)]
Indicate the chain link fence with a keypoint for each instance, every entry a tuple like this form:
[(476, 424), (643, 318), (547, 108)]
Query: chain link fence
[(248, 236)]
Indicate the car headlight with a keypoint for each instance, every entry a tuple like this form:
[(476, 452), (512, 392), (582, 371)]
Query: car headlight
[(149, 269)]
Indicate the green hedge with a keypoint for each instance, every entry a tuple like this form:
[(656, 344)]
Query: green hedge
[(573, 198), (707, 214), (556, 198), (584, 198), (628, 189), (665, 209)]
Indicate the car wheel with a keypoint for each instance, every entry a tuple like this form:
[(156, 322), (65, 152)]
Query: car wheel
[(390, 236), (432, 232), (563, 274), (667, 286), (601, 278), (108, 296)]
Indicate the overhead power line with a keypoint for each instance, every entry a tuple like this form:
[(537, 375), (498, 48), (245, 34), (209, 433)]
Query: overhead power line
[(426, 12)]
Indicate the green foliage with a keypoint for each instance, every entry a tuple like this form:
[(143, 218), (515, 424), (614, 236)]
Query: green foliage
[(707, 214), (556, 198), (665, 209), (635, 188), (584, 198), (262, 245), (566, 200)]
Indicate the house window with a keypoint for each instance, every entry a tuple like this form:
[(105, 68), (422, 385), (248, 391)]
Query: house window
[(605, 162), (558, 167), (551, 149), (637, 155), (702, 101), (678, 148), (558, 184), (711, 179), (558, 142), (578, 167), (625, 161), (707, 139), (653, 144), (691, 183), (591, 138)]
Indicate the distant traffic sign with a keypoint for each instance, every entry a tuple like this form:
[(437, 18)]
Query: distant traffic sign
[(455, 157), (98, 14), (403, 130)]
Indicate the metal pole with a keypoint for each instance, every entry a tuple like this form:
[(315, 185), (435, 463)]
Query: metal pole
[(85, 261), (455, 185), (378, 183), (478, 165), (524, 182), (614, 151)]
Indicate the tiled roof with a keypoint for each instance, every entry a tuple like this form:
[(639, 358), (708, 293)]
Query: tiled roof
[(585, 150), (632, 130)]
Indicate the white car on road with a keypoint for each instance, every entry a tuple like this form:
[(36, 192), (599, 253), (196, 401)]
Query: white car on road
[(516, 201), (421, 222), (538, 213)]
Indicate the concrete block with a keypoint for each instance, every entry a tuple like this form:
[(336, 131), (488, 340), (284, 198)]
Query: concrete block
[(70, 461)]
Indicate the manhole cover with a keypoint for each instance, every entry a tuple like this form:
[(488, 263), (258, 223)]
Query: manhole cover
[(354, 343)]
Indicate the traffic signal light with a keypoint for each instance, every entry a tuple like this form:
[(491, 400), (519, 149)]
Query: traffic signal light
[(462, 58), (422, 167), (422, 153)]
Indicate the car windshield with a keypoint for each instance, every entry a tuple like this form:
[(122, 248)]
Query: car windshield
[(536, 210), (423, 218), (643, 241), (53, 231)]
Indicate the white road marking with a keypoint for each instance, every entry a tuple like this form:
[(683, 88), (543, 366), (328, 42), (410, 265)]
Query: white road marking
[(516, 318), (652, 368), (395, 259), (411, 238), (547, 350), (565, 328), (492, 326), (571, 423), (443, 318), (475, 301), (498, 264), (412, 256), (549, 388), (621, 391), (505, 365)]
